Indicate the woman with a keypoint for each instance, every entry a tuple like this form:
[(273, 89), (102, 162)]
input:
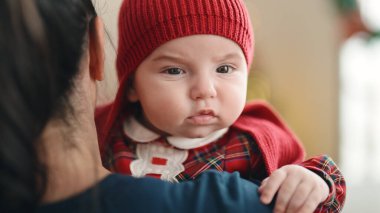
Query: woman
[(51, 55)]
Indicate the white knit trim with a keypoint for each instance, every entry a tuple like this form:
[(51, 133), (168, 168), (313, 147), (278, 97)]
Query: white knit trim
[(146, 152)]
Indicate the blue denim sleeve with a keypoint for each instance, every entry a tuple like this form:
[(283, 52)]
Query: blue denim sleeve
[(212, 192)]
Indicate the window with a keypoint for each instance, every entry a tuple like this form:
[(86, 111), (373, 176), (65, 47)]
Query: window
[(360, 112)]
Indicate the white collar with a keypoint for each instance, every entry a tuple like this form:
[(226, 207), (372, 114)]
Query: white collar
[(138, 133)]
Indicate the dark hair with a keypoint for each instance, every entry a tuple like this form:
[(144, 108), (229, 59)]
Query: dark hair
[(41, 44)]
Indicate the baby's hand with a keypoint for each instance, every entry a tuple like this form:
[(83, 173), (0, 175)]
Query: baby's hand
[(297, 188)]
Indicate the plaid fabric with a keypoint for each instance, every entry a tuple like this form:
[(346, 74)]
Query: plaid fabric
[(235, 151), (325, 167)]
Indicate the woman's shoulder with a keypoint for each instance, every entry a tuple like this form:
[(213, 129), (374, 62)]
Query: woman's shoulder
[(115, 193), (95, 199), (211, 192)]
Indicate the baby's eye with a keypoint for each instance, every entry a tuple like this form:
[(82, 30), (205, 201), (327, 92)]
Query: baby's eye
[(174, 71), (224, 69)]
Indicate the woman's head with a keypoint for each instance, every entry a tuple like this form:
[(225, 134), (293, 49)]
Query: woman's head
[(42, 44)]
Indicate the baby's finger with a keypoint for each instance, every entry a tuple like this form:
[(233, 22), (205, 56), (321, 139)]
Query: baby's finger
[(271, 186), (299, 196), (286, 192), (263, 183)]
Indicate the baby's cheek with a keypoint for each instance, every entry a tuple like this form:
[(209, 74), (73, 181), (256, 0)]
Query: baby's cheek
[(167, 113), (235, 106)]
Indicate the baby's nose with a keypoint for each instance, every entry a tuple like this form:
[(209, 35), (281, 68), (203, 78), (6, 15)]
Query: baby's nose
[(203, 88)]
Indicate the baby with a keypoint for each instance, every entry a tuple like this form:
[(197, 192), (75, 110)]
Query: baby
[(181, 107)]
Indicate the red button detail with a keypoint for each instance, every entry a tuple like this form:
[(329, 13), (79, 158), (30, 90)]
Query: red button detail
[(159, 161), (154, 175)]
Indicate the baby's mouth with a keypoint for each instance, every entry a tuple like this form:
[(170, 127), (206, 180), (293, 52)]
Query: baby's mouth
[(203, 117)]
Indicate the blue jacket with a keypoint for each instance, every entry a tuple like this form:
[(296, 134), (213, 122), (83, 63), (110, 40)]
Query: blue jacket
[(211, 192)]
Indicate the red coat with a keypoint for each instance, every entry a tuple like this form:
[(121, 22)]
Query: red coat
[(278, 146)]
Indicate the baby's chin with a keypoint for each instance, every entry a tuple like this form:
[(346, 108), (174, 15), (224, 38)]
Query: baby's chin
[(200, 133)]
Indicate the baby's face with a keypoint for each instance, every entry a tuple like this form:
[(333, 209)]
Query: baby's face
[(192, 86)]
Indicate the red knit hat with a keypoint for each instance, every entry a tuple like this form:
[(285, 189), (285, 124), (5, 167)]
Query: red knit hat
[(144, 25)]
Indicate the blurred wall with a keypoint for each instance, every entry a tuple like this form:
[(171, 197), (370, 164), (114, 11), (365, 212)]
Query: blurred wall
[(295, 67), (109, 11), (296, 62)]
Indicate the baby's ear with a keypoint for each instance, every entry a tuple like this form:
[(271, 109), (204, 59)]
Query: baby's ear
[(132, 95)]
